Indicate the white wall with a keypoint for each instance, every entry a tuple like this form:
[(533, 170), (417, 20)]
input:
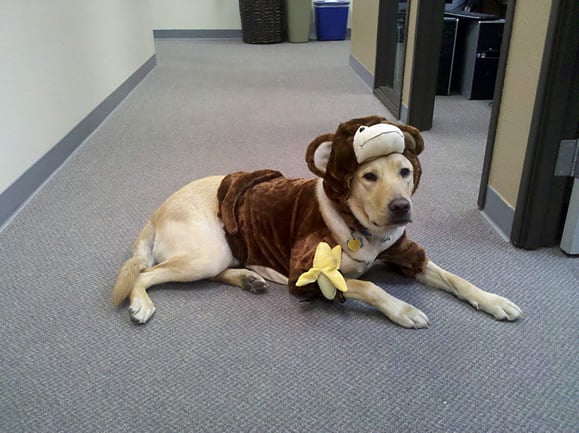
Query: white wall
[(60, 59), (198, 14)]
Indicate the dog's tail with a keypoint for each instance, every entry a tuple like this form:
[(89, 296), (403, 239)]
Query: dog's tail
[(142, 259)]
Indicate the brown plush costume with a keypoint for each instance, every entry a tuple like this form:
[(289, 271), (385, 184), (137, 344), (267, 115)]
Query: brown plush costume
[(275, 222)]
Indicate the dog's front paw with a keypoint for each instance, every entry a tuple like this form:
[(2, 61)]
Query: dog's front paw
[(500, 308), (141, 310), (409, 317)]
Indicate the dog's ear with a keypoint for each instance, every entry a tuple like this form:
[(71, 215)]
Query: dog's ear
[(318, 154)]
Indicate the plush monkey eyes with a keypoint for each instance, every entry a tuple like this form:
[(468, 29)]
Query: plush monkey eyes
[(405, 172), (371, 177)]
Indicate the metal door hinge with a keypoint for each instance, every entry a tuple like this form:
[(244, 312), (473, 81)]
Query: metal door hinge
[(568, 158)]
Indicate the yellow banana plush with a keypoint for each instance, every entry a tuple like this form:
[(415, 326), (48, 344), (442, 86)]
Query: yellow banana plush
[(325, 271)]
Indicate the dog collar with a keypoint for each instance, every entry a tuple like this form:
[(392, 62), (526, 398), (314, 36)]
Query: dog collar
[(359, 237), (362, 238)]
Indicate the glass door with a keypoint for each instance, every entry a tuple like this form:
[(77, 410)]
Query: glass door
[(390, 53)]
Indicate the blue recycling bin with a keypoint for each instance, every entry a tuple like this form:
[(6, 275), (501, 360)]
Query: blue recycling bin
[(331, 19)]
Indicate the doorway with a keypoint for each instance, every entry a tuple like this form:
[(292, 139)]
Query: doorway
[(398, 21), (532, 212)]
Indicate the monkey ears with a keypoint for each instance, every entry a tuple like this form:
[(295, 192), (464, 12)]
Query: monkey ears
[(368, 142), (413, 141), (318, 154)]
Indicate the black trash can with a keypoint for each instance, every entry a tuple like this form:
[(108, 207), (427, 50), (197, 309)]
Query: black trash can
[(261, 21)]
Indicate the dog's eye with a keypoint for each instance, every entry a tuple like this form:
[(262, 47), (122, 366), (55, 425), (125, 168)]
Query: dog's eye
[(361, 129), (371, 177), (405, 172)]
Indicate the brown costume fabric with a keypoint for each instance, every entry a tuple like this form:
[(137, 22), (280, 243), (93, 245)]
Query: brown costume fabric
[(406, 255), (275, 222)]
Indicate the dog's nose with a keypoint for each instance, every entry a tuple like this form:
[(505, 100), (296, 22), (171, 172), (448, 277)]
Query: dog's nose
[(399, 206)]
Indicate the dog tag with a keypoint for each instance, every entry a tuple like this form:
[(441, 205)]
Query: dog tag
[(354, 244)]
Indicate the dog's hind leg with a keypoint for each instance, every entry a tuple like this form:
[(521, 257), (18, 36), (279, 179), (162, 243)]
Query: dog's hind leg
[(244, 278), (180, 268), (142, 259)]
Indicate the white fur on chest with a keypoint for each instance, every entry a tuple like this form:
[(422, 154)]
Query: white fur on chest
[(355, 263)]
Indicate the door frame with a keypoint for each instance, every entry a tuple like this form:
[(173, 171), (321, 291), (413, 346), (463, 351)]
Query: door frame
[(543, 197), (424, 77)]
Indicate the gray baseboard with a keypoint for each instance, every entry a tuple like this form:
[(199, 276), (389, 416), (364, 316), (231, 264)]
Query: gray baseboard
[(366, 76), (202, 34), (403, 113), (570, 238), (498, 213), (27, 184), (217, 34)]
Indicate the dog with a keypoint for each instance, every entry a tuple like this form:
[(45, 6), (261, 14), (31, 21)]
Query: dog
[(245, 229)]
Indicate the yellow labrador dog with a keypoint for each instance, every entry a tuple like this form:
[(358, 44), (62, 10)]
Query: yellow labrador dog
[(188, 238)]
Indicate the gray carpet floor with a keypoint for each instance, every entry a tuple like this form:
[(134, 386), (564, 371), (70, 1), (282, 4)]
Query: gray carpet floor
[(217, 359)]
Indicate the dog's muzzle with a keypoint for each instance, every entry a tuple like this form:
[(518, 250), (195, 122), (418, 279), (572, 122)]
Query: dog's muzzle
[(400, 211)]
